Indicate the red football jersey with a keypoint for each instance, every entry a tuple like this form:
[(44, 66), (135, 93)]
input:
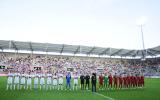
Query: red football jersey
[(101, 79)]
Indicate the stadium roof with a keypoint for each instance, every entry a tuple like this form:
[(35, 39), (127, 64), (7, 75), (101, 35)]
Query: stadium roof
[(76, 49)]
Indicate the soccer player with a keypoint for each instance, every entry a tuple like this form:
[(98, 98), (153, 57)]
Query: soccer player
[(16, 80), (101, 82), (60, 81), (55, 83), (124, 82), (120, 81), (68, 81), (42, 81), (106, 81), (115, 81), (29, 81), (110, 81), (75, 81), (139, 80), (36, 81), (10, 80), (49, 81), (142, 80), (128, 81), (87, 81), (132, 81), (93, 81), (82, 81), (23, 80)]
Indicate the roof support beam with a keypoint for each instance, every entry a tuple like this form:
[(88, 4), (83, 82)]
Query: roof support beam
[(128, 53), (143, 54), (156, 51), (30, 45), (116, 52), (104, 52), (1, 49), (150, 53), (91, 51), (78, 48), (14, 46), (135, 53), (62, 49), (46, 48)]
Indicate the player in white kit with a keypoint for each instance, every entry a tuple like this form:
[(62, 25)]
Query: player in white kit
[(29, 81), (42, 81), (60, 81), (16, 80), (49, 81), (10, 80), (23, 80), (75, 82), (55, 83), (36, 81)]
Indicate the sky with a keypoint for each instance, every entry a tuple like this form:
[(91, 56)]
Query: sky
[(102, 23)]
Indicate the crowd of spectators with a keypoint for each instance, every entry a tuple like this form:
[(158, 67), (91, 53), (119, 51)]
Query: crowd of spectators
[(27, 62)]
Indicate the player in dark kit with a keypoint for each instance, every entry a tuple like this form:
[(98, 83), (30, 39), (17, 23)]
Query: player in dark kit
[(82, 78), (87, 81), (93, 81)]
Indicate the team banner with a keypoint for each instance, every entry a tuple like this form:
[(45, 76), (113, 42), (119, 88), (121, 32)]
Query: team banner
[(70, 69)]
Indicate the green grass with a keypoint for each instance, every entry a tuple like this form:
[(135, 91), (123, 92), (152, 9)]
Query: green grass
[(150, 92)]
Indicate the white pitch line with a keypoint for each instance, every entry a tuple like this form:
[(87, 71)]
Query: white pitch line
[(109, 98)]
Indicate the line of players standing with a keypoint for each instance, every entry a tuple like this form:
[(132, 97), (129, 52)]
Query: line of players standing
[(41, 80), (49, 81), (120, 81), (113, 81)]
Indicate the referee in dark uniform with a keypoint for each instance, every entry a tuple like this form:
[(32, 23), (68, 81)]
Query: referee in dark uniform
[(82, 78), (94, 80), (87, 81)]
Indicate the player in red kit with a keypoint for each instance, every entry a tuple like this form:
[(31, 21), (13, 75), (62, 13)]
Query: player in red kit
[(101, 82), (139, 80), (128, 81), (120, 81), (115, 81), (132, 80), (124, 82), (142, 80), (110, 81)]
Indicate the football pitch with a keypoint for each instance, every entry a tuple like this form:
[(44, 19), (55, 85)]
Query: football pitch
[(150, 92)]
